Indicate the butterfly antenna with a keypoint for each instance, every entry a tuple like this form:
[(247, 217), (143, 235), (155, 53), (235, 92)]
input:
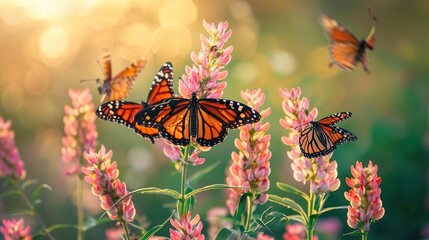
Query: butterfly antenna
[(374, 19), (300, 125), (89, 80)]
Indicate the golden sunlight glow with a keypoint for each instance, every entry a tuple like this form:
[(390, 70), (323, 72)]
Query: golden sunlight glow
[(172, 40), (37, 79), (135, 41), (53, 42), (47, 9), (180, 11), (12, 93)]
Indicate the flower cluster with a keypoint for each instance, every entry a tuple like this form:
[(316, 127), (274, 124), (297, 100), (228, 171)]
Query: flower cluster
[(103, 175), (320, 171), (14, 229), (296, 231), (202, 77), (216, 218), (174, 153), (11, 164), (250, 166), (186, 228), (365, 203), (79, 128)]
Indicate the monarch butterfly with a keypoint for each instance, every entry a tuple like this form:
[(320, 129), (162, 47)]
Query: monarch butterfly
[(119, 87), (205, 120), (123, 112), (345, 50), (321, 137)]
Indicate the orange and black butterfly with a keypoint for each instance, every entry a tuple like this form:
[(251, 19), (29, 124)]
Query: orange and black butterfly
[(123, 112), (346, 51), (321, 137), (204, 120), (118, 87)]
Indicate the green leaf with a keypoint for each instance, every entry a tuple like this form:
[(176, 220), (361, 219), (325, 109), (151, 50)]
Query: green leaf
[(155, 229), (277, 215), (189, 202), (226, 234), (155, 190), (297, 218), (354, 233), (53, 228), (192, 180), (28, 183), (209, 187), (289, 203), (36, 194), (241, 207), (331, 208), (262, 225), (290, 189), (9, 193)]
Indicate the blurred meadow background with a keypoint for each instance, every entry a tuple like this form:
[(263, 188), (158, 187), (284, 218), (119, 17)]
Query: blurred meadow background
[(48, 46)]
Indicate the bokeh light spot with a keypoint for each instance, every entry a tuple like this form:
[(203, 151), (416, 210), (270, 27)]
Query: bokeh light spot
[(245, 72), (12, 98), (283, 62), (53, 42), (37, 79), (171, 40), (135, 41), (181, 11)]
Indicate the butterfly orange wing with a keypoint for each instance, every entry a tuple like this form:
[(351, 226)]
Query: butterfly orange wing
[(322, 137), (124, 112), (344, 45), (120, 86)]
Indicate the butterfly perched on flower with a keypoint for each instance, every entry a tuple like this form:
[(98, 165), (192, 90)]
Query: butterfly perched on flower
[(118, 87), (321, 137), (204, 120), (123, 112), (345, 50)]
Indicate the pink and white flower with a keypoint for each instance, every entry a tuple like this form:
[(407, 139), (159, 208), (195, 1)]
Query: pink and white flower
[(364, 197), (103, 175)]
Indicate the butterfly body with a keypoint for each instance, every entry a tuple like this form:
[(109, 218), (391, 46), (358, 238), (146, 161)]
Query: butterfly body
[(118, 87), (204, 120), (124, 112), (345, 50), (322, 137)]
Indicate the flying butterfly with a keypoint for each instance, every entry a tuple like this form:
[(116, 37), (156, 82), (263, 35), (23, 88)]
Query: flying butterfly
[(123, 112), (204, 120), (321, 137), (345, 50), (118, 87)]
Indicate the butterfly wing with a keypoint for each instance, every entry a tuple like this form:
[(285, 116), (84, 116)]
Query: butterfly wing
[(335, 118), (171, 117), (216, 116), (106, 66), (322, 137), (120, 86), (344, 45), (213, 118), (162, 85), (123, 112)]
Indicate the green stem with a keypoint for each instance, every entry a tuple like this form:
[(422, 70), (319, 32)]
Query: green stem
[(184, 168), (311, 222), (79, 206), (32, 209), (126, 230), (249, 211), (364, 235)]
